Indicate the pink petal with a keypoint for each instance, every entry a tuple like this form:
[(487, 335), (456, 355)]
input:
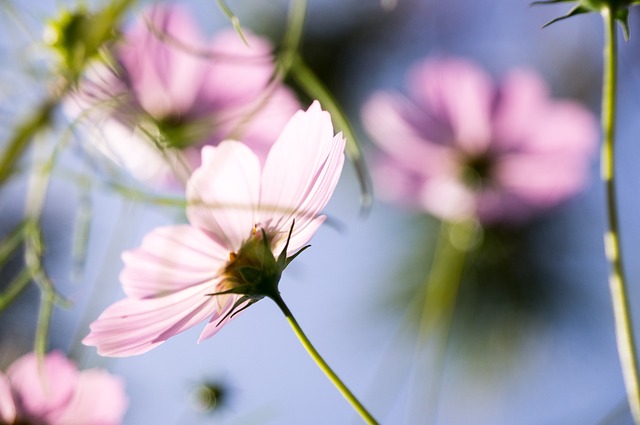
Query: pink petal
[(456, 92), (523, 97), (542, 180), (99, 399), (301, 173), (395, 183), (237, 74), (7, 405), (258, 123), (448, 198), (171, 259), (132, 326), (166, 76), (42, 391), (223, 193), (405, 132)]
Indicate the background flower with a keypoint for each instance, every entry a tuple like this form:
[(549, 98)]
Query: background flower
[(169, 93), (56, 393), (459, 146)]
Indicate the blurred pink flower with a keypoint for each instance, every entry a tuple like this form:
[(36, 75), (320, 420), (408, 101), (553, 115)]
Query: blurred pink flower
[(170, 93), (461, 147), (54, 392), (241, 218)]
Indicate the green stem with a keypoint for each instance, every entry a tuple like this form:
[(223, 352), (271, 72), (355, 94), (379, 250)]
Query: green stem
[(293, 35), (15, 287), (443, 281), (362, 411), (235, 21), (613, 246), (441, 289)]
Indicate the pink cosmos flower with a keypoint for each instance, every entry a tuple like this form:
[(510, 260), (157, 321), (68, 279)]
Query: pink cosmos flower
[(247, 222), (170, 93), (56, 393), (462, 147)]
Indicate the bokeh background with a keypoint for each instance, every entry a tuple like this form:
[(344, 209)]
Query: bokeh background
[(533, 339)]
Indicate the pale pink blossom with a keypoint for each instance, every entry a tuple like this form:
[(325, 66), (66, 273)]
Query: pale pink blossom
[(170, 92), (236, 208), (459, 146), (55, 392)]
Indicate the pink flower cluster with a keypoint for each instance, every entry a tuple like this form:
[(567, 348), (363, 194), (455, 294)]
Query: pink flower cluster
[(55, 392), (170, 93), (459, 146)]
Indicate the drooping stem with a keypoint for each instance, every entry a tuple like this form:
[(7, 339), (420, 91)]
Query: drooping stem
[(617, 281), (322, 364)]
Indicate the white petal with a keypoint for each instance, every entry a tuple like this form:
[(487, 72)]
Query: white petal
[(171, 259), (301, 171), (223, 192), (131, 326)]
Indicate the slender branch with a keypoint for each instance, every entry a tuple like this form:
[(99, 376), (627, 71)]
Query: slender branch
[(613, 246), (362, 411)]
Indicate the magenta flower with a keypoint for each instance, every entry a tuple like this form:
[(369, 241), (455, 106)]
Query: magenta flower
[(54, 392), (247, 222), (170, 93), (461, 147)]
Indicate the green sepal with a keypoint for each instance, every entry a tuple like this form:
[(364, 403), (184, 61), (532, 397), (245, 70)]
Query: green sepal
[(619, 9), (577, 10)]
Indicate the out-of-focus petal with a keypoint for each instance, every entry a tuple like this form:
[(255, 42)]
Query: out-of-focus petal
[(301, 172), (170, 259), (7, 405), (259, 123), (223, 193), (448, 198), (405, 132), (164, 74), (523, 97), (457, 92), (42, 393), (237, 73), (131, 326), (394, 183), (99, 399)]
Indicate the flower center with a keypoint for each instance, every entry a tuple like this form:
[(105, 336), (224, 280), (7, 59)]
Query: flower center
[(477, 171), (181, 132), (253, 270)]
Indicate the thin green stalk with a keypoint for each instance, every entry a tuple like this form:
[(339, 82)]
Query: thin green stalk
[(440, 290), (293, 35), (362, 411), (15, 287), (443, 281), (235, 21), (613, 246)]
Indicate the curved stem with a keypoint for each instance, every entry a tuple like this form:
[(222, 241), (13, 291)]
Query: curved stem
[(362, 411), (613, 246)]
